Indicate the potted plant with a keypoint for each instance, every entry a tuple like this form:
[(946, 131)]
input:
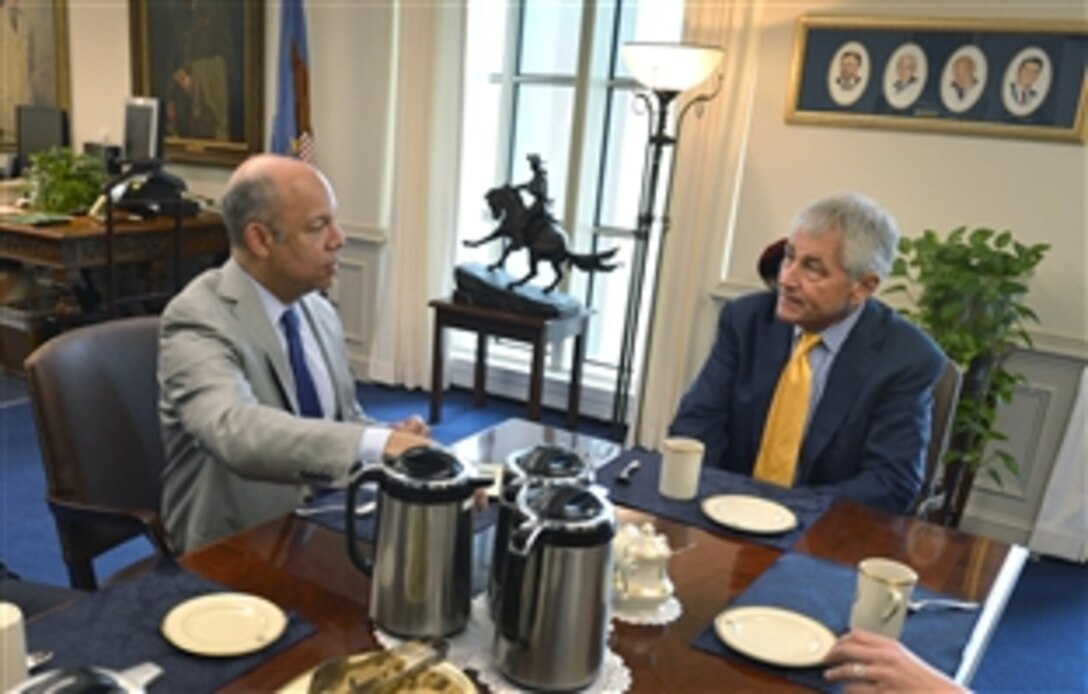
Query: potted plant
[(59, 180), (968, 292)]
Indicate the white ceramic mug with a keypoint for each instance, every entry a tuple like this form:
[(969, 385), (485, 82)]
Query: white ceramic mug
[(12, 646), (681, 461), (884, 589)]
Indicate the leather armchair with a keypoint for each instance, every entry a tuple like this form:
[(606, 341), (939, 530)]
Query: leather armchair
[(94, 392), (946, 395)]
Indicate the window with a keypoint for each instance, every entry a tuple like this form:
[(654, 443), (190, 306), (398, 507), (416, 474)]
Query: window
[(546, 77)]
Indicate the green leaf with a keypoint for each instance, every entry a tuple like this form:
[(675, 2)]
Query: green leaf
[(1008, 461), (58, 180), (968, 289)]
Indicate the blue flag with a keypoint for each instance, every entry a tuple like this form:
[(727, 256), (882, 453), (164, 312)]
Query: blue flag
[(292, 131)]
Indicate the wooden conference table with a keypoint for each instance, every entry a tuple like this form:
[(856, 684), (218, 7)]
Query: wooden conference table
[(304, 567)]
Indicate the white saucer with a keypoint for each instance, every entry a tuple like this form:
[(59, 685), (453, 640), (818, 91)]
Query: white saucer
[(224, 624), (749, 513), (775, 636)]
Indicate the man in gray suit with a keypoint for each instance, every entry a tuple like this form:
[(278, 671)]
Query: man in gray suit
[(255, 410)]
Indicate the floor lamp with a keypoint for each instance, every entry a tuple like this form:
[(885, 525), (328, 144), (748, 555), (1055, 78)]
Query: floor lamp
[(665, 70)]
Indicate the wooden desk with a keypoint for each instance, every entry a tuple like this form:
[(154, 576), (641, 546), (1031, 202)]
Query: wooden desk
[(536, 330), (304, 567), (81, 244), (64, 250)]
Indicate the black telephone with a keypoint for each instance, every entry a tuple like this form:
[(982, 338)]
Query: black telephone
[(147, 191)]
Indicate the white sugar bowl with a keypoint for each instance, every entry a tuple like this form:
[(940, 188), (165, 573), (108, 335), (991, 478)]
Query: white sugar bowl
[(640, 579)]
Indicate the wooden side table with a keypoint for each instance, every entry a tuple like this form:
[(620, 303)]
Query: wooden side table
[(536, 330)]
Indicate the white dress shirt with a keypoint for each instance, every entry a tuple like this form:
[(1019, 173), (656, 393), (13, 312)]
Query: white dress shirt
[(374, 438)]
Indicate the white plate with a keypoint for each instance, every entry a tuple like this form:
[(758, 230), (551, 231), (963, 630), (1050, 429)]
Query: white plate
[(749, 513), (224, 624), (449, 680), (774, 635)]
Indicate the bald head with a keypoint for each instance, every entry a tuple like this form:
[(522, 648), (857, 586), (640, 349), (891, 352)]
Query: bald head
[(257, 187), (280, 214)]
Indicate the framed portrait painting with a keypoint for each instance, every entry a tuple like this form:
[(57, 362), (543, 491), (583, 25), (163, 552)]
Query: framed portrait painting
[(204, 60), (33, 59), (1005, 78)]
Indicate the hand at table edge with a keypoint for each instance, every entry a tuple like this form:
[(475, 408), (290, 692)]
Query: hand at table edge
[(868, 662)]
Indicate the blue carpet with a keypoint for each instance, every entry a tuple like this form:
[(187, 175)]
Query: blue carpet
[(1041, 644)]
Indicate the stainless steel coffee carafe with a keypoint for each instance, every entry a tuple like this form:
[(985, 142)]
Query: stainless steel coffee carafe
[(422, 567), (543, 464), (551, 628)]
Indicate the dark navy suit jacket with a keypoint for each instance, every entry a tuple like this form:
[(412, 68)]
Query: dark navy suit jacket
[(867, 438)]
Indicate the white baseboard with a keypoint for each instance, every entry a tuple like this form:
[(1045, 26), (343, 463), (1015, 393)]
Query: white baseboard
[(514, 384)]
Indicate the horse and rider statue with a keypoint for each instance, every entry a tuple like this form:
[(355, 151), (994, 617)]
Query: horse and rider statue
[(535, 229)]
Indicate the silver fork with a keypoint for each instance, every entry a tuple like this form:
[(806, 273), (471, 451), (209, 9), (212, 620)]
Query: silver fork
[(966, 605), (360, 510)]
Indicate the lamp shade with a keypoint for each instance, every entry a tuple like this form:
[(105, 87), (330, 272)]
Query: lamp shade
[(670, 67)]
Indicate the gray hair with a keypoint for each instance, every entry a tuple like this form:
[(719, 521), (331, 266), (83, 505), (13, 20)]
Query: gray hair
[(249, 199), (870, 235)]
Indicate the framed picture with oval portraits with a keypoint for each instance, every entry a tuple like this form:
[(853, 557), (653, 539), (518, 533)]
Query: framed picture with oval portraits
[(204, 59), (33, 59), (1002, 78)]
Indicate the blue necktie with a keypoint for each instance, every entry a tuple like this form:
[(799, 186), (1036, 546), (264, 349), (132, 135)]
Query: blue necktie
[(308, 404)]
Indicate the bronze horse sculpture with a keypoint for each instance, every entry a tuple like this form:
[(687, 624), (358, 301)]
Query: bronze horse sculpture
[(539, 233)]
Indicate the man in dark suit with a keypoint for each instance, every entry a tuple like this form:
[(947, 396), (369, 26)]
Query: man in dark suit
[(872, 372), (1027, 74)]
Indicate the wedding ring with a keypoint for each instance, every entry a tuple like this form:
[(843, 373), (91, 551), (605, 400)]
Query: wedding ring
[(858, 671)]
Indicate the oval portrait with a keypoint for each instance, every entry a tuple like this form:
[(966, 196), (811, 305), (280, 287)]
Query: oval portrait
[(1026, 81), (905, 75), (848, 73), (963, 79)]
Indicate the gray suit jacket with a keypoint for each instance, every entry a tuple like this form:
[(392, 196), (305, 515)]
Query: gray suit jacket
[(236, 452)]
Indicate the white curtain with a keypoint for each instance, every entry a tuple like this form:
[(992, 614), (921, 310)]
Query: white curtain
[(1061, 528), (709, 164), (423, 168)]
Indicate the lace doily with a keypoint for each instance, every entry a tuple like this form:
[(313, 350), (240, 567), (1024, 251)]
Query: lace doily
[(663, 613), (471, 650)]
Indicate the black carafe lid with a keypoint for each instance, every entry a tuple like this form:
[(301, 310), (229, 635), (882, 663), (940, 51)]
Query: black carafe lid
[(570, 515), (551, 461), (427, 474), (543, 464)]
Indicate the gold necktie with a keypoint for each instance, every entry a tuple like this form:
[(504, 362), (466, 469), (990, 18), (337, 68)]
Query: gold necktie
[(785, 426)]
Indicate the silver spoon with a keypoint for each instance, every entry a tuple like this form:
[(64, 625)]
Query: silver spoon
[(630, 469), (35, 659), (360, 510), (915, 605)]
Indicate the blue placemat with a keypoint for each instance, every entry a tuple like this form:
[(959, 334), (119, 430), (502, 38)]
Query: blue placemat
[(118, 627), (365, 525), (824, 591), (641, 493)]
